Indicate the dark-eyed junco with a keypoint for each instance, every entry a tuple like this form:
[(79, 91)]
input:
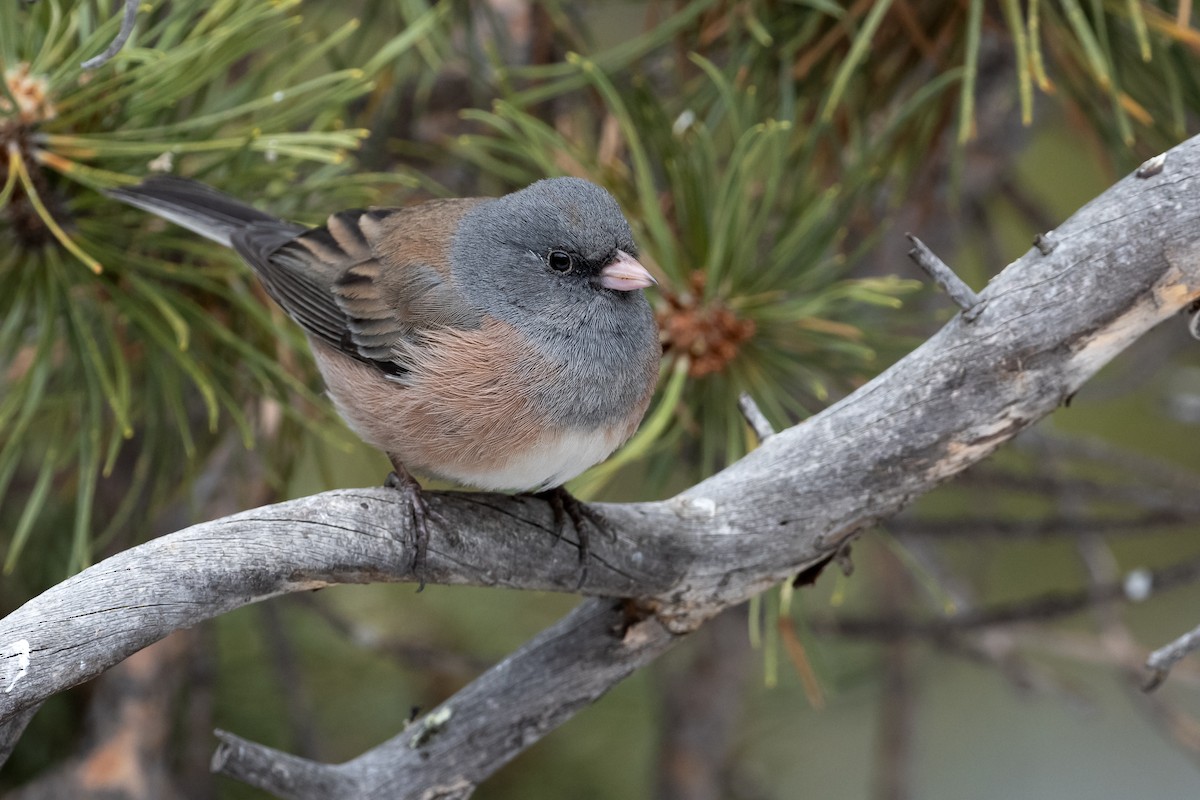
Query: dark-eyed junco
[(502, 344)]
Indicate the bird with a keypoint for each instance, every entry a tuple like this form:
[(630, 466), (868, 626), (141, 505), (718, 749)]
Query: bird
[(502, 344)]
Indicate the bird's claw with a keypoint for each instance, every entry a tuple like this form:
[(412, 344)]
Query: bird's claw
[(566, 506), (407, 485)]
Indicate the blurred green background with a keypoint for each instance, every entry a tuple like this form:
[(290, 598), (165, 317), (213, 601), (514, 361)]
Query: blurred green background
[(770, 156)]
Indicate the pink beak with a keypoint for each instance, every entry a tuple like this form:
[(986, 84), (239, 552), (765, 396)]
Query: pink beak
[(625, 274)]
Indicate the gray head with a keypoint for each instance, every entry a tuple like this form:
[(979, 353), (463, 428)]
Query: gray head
[(556, 261), (558, 252)]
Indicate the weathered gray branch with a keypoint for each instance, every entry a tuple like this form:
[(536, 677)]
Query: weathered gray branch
[(1159, 662), (128, 18), (558, 672), (1124, 263)]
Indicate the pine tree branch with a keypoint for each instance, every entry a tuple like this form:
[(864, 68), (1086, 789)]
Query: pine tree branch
[(1122, 264)]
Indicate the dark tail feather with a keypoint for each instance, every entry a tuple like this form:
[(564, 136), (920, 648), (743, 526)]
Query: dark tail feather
[(197, 207)]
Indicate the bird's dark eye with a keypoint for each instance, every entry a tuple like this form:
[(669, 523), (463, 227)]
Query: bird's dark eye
[(560, 261)]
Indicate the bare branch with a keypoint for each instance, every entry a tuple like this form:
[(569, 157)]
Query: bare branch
[(1040, 608), (894, 750), (755, 418), (425, 657), (1122, 264), (298, 707), (127, 20), (560, 671), (1161, 660), (129, 724), (1047, 528), (276, 772), (963, 296), (12, 726), (893, 778), (701, 704)]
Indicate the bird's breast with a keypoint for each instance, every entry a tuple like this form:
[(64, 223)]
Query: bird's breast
[(473, 409), (553, 459)]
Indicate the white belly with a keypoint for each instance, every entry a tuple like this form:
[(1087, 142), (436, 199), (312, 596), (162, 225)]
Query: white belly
[(552, 462)]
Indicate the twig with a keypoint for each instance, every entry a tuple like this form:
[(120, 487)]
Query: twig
[(1136, 492), (993, 646), (12, 727), (561, 670), (428, 659), (281, 774), (962, 295), (1030, 208), (755, 418), (1086, 648), (895, 748), (701, 706), (130, 720), (1042, 608), (127, 20), (197, 719), (1161, 660), (1176, 725), (1050, 527), (288, 675), (1000, 648), (893, 767), (1156, 473)]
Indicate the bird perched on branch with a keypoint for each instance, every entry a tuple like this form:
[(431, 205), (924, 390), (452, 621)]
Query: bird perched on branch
[(500, 343)]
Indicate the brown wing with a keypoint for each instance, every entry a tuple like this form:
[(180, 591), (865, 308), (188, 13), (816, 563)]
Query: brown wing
[(368, 282)]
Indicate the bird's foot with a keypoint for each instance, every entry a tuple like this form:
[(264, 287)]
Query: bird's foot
[(407, 485), (566, 506)]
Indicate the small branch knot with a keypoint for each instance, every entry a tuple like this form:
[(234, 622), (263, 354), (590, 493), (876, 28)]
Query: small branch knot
[(459, 789), (1045, 243), (1152, 166)]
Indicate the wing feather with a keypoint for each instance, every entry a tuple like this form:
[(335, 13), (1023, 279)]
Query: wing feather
[(368, 283)]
